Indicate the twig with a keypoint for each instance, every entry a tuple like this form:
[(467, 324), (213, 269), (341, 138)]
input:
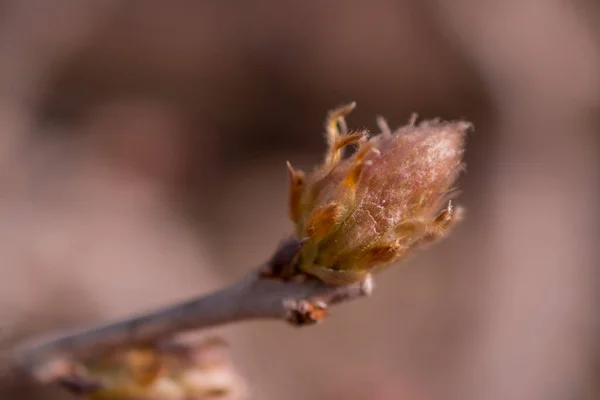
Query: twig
[(255, 296)]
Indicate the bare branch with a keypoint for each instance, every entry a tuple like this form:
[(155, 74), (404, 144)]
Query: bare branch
[(255, 296)]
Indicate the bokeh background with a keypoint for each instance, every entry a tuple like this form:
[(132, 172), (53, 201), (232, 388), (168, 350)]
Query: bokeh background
[(142, 161)]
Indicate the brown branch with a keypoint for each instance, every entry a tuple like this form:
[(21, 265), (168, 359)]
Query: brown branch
[(255, 296)]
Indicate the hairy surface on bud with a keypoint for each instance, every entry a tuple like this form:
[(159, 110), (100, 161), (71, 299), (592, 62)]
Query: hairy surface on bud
[(372, 208)]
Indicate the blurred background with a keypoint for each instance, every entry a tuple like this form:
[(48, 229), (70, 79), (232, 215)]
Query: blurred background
[(142, 161)]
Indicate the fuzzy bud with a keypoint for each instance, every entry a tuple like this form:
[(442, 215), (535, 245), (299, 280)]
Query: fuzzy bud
[(392, 195)]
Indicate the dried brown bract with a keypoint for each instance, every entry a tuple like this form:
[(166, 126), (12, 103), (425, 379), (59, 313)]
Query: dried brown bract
[(391, 196)]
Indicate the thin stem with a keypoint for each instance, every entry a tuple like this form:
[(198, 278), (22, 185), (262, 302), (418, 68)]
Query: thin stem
[(252, 297)]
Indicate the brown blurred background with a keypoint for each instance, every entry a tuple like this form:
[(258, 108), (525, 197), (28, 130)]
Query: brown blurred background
[(142, 161)]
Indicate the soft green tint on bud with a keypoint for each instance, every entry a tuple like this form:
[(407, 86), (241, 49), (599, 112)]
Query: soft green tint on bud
[(374, 207)]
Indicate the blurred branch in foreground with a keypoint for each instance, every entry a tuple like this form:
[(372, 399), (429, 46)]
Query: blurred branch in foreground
[(177, 369)]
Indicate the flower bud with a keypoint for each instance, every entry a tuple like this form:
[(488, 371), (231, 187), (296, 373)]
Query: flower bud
[(391, 196)]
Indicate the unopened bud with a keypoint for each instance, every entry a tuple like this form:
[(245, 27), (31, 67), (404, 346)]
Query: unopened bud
[(391, 196)]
